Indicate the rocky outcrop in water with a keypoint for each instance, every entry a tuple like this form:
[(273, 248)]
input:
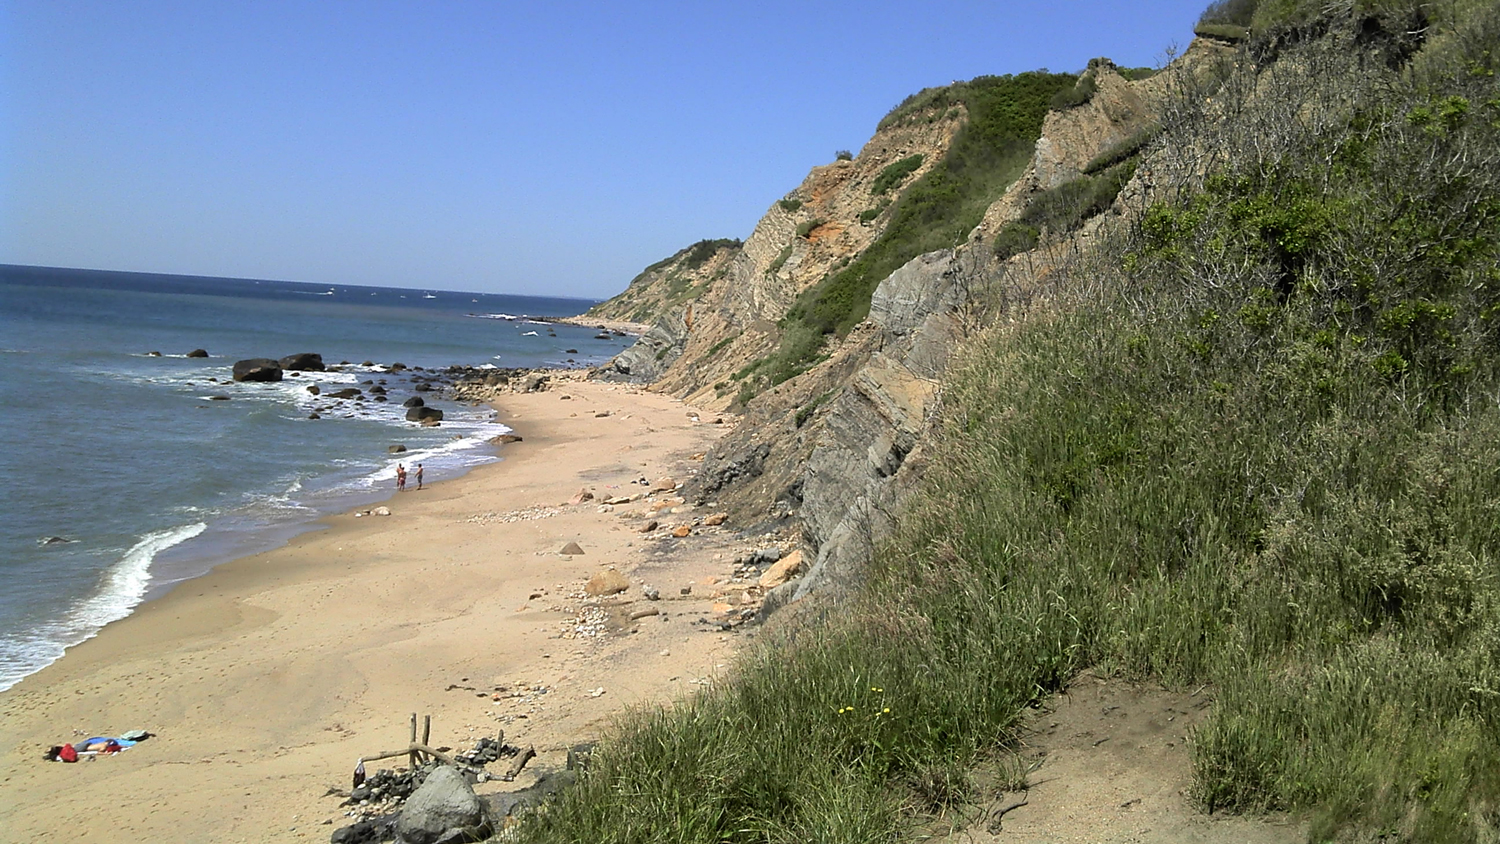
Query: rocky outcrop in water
[(303, 362), (257, 369)]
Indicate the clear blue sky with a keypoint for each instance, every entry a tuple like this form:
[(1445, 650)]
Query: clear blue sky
[(542, 148)]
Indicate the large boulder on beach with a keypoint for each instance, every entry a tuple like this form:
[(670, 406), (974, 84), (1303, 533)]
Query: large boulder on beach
[(303, 362), (422, 414), (257, 369), (414, 401), (443, 809)]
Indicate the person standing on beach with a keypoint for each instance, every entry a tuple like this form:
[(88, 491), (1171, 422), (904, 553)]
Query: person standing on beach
[(419, 476), (401, 477)]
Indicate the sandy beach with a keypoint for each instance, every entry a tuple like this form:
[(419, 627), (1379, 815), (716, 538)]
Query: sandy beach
[(265, 680)]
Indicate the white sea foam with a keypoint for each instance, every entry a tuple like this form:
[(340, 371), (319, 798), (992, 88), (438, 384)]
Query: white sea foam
[(125, 583), (120, 589)]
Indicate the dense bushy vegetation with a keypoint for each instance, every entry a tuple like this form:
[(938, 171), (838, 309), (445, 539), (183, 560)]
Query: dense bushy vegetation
[(935, 212), (1255, 445), (699, 253), (1063, 209), (1081, 92), (893, 174)]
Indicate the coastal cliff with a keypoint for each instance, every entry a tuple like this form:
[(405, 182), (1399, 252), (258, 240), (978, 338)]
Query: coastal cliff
[(833, 448), (1194, 392)]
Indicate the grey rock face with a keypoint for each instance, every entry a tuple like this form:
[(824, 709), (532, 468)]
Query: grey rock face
[(922, 286), (656, 350), (722, 470), (443, 810), (849, 483)]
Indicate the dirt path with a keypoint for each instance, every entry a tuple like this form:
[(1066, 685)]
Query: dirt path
[(1110, 765)]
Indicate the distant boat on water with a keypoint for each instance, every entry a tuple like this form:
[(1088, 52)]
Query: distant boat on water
[(429, 295)]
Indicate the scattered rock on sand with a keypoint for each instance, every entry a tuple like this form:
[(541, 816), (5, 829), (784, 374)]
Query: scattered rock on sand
[(505, 438), (651, 593), (444, 808), (716, 519), (606, 582), (681, 530), (580, 496), (664, 484), (785, 569), (650, 526), (571, 549)]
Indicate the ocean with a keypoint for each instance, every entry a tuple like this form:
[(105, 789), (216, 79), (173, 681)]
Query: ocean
[(126, 470)]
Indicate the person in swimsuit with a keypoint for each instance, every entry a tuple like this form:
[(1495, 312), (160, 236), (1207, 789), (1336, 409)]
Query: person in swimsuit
[(400, 477), (419, 476)]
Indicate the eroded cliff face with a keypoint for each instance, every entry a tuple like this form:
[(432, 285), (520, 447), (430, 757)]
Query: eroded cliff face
[(730, 317), (837, 448)]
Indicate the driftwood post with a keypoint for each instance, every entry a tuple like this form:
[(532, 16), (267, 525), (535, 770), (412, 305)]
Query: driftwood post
[(426, 729), (521, 759), (412, 748), (413, 754)]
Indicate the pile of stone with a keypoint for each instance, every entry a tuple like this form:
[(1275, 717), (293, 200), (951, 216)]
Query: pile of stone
[(443, 808), (487, 750), (426, 804)]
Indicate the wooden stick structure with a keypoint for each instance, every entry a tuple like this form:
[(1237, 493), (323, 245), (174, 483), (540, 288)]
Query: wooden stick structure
[(415, 759), (414, 750)]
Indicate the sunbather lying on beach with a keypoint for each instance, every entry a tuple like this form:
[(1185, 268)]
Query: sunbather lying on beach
[(95, 746)]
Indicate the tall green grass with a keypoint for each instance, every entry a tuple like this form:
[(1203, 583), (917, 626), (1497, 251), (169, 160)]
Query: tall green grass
[(1257, 445)]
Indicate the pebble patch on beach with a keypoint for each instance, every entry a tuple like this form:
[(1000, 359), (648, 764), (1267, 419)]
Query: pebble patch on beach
[(526, 514)]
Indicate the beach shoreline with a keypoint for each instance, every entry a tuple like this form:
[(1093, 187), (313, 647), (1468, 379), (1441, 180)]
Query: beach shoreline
[(266, 678)]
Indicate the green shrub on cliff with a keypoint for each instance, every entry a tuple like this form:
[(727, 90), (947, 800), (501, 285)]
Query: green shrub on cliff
[(936, 211), (1062, 209), (893, 174), (1081, 92)]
